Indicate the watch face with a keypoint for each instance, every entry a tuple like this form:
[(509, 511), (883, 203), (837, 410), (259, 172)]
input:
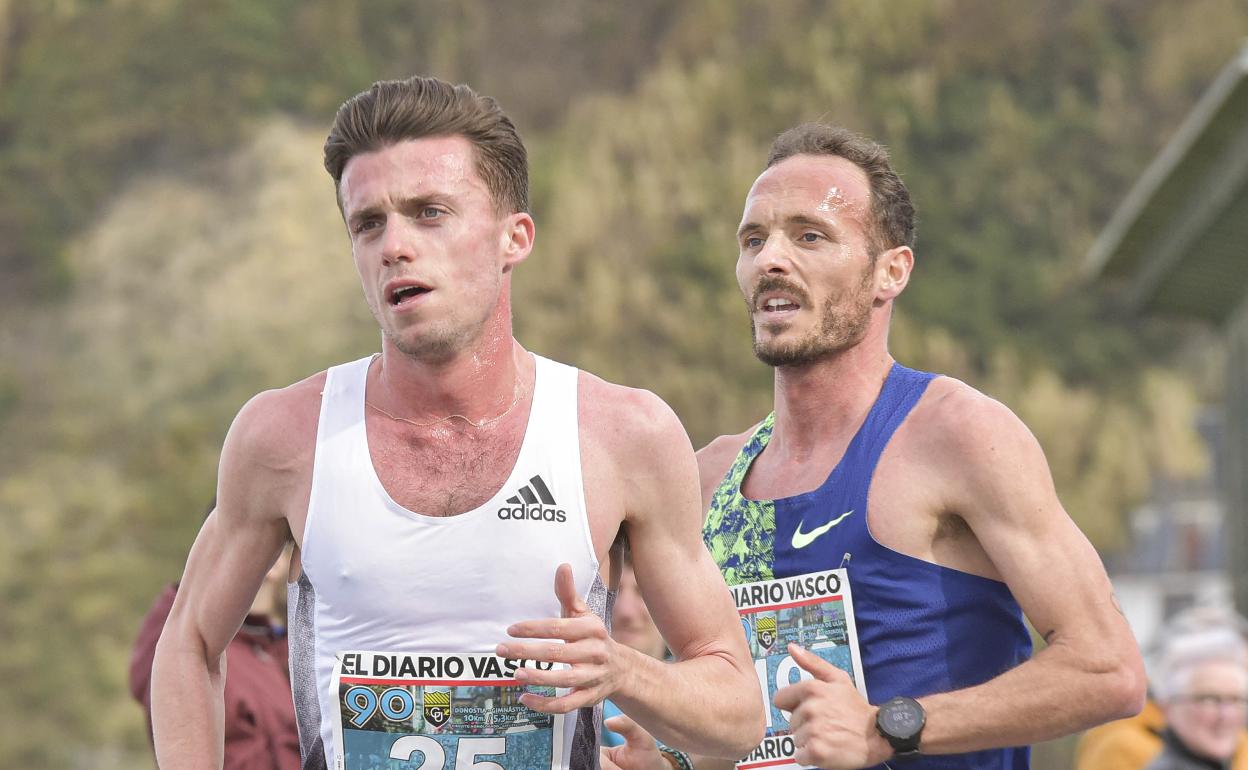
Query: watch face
[(901, 718)]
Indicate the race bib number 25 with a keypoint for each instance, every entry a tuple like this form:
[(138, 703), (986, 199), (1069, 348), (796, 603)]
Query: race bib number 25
[(440, 712)]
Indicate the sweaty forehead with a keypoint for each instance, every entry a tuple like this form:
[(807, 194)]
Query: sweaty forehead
[(814, 185), (410, 169)]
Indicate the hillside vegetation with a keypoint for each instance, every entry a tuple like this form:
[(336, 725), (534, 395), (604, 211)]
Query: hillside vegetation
[(169, 245)]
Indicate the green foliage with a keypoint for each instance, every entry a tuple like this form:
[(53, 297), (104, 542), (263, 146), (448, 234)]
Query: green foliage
[(160, 83), (104, 509), (169, 246), (1006, 143)]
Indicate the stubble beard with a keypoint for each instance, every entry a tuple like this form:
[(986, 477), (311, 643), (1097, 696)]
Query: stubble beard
[(440, 342), (429, 348), (843, 323)]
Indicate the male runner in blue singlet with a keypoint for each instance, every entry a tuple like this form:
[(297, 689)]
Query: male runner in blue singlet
[(453, 501), (888, 522)]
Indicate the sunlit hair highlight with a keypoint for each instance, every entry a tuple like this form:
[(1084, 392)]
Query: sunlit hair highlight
[(892, 213), (394, 111)]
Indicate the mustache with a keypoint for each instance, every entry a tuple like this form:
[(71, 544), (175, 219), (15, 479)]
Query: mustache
[(776, 283)]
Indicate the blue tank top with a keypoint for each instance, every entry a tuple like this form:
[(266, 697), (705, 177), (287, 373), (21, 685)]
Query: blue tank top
[(922, 628)]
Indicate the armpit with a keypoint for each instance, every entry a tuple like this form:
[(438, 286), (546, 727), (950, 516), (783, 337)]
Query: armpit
[(951, 526)]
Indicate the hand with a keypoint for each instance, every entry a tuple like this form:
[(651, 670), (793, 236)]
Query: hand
[(593, 661), (833, 726), (639, 752)]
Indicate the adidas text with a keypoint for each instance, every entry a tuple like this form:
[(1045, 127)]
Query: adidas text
[(535, 512)]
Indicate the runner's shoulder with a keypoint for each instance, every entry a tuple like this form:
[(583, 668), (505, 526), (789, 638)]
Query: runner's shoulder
[(958, 424), (628, 419), (277, 427)]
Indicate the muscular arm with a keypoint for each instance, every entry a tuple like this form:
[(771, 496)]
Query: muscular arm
[(714, 461), (238, 543), (1090, 670), (979, 461), (709, 700), (641, 479)]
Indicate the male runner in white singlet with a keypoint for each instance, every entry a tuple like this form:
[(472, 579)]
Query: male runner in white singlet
[(453, 501)]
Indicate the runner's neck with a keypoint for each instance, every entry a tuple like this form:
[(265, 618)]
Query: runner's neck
[(826, 399)]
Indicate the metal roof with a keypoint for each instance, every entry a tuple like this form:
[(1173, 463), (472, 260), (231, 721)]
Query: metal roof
[(1178, 243)]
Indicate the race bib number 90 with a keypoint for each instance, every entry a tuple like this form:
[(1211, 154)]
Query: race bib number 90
[(814, 611), (440, 712)]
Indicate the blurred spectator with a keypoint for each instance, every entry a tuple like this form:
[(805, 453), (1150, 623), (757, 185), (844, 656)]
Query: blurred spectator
[(1202, 688), (1130, 744), (260, 729), (632, 625)]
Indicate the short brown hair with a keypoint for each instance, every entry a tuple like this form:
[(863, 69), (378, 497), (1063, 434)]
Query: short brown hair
[(891, 209), (394, 111)]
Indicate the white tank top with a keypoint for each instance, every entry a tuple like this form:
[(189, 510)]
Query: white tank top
[(395, 619)]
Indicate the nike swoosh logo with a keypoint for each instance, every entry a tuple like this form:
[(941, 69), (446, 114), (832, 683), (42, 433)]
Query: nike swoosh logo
[(802, 539)]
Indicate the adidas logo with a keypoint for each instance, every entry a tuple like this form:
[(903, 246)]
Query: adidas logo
[(533, 502)]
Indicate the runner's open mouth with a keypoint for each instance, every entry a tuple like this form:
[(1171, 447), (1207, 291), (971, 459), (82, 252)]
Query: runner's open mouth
[(398, 296), (777, 304)]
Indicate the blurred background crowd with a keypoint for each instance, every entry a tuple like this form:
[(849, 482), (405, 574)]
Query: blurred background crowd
[(169, 245)]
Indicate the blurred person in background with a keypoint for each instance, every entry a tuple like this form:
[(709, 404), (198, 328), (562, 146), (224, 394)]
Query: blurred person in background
[(260, 729), (1202, 690), (1130, 744)]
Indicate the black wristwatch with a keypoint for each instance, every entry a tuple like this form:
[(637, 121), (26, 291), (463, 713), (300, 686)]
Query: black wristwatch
[(900, 720)]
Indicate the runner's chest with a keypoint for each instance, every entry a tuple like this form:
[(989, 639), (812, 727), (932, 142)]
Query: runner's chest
[(443, 476)]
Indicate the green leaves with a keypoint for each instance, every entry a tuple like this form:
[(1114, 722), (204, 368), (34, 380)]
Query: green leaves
[(169, 245)]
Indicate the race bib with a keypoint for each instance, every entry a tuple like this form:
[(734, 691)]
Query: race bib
[(815, 611), (411, 711)]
